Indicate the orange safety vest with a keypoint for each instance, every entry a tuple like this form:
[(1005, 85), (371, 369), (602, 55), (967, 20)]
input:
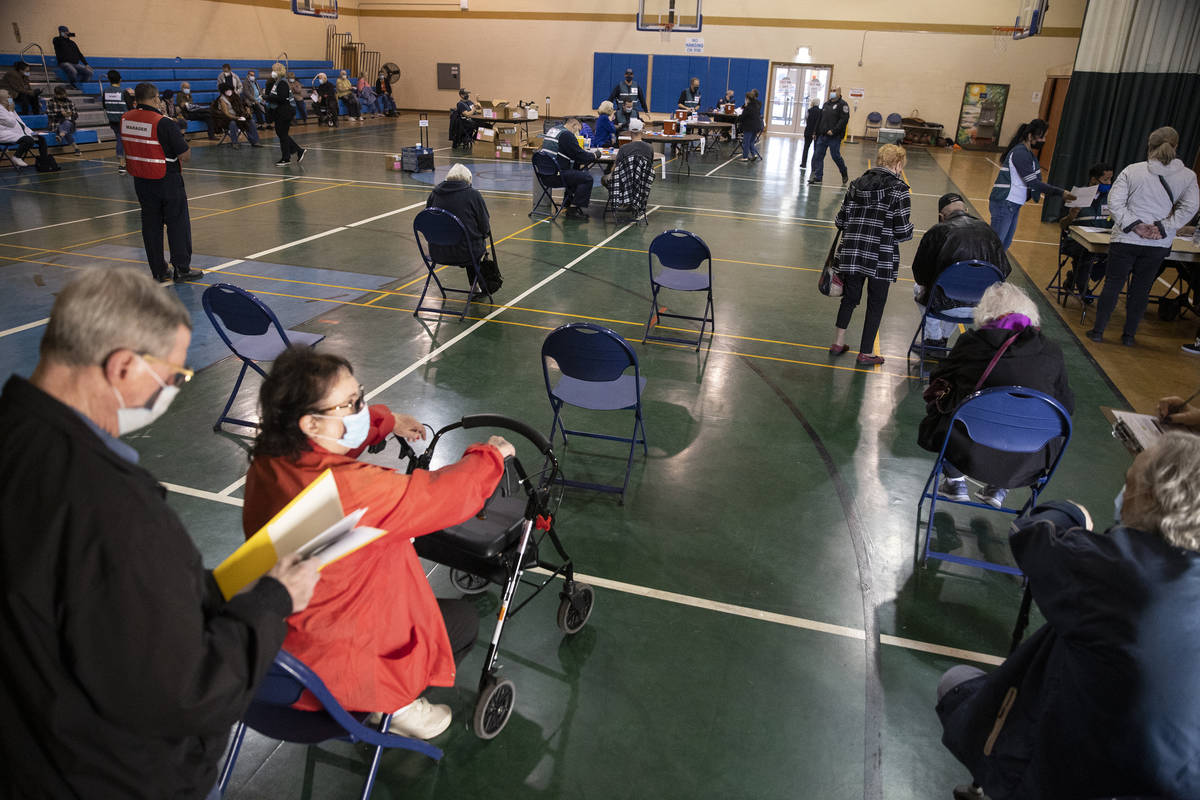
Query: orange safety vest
[(144, 155)]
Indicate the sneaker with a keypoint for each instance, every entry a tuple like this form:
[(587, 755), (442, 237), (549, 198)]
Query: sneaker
[(121, 169), (814, 180), (955, 489), (868, 359), (420, 719), (303, 153), (1095, 335), (19, 162), (992, 495), (188, 275), (283, 162), (164, 278), (1192, 349)]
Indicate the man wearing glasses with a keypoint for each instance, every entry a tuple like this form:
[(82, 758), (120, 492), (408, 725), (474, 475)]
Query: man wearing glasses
[(123, 667)]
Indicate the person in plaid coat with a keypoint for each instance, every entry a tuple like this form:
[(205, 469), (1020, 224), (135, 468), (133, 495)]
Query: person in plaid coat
[(873, 219)]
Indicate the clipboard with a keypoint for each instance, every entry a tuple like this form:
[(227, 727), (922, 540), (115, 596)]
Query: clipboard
[(1134, 431)]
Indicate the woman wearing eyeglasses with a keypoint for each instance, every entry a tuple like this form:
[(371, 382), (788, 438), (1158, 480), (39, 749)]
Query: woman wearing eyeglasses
[(373, 630)]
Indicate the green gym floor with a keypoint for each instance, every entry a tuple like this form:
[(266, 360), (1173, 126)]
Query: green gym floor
[(758, 631)]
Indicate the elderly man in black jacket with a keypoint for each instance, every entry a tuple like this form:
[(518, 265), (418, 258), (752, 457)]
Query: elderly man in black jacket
[(957, 237), (123, 666)]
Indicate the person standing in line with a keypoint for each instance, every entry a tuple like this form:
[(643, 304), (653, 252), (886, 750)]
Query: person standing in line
[(116, 102), (830, 130), (279, 99), (752, 126), (1149, 202), (874, 220), (70, 59), (154, 146), (1009, 193), (812, 124)]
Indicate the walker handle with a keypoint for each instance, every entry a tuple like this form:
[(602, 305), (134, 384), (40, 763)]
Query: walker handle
[(508, 423)]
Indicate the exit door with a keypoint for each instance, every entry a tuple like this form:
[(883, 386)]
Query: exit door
[(793, 88)]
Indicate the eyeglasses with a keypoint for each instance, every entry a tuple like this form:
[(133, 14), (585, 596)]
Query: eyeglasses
[(179, 374), (353, 406)]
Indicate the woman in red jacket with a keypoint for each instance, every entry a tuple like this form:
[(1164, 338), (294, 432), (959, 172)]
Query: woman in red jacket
[(373, 631)]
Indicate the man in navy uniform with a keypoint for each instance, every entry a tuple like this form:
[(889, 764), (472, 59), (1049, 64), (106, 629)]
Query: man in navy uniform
[(628, 91), (560, 141)]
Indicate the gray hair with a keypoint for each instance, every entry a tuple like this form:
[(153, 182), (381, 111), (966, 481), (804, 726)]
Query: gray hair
[(1004, 298), (1169, 475), (605, 108), (459, 172), (105, 310)]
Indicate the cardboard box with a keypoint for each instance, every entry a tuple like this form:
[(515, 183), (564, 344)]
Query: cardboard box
[(509, 139), (514, 112), (485, 134), (493, 109)]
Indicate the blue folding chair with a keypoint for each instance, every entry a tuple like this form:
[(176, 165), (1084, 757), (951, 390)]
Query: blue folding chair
[(549, 178), (593, 361), (1008, 418), (680, 254), (271, 714), (963, 282), (251, 331), (441, 228)]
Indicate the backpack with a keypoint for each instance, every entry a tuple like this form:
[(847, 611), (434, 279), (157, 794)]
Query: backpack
[(46, 163)]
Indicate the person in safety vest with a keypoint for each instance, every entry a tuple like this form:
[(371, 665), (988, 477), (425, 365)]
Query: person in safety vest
[(628, 91), (154, 146)]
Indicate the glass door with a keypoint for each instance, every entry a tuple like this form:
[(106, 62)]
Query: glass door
[(793, 88)]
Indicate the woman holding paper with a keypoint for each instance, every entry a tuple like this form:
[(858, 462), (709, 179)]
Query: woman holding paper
[(373, 630)]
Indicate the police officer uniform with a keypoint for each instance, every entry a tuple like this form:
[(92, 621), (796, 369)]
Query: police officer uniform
[(153, 144), (628, 90)]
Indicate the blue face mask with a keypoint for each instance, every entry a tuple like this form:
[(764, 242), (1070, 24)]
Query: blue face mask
[(357, 427), (1103, 188), (1118, 503)]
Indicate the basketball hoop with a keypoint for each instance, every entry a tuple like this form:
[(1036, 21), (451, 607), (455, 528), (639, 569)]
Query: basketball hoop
[(1003, 34), (665, 31)]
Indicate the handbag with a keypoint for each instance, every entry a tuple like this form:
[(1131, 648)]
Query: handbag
[(939, 393), (830, 283)]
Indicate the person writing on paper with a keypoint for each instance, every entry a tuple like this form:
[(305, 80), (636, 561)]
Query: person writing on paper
[(124, 667), (373, 631), (1005, 318), (1104, 699), (1177, 411)]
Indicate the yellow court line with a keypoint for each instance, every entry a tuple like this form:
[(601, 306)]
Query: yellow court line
[(41, 250), (46, 263)]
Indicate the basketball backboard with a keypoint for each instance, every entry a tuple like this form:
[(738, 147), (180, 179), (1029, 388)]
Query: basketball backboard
[(1029, 18), (669, 15)]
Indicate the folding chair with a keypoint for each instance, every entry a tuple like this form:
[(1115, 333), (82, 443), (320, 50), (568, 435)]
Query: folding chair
[(593, 361), (963, 282), (680, 255), (1011, 419), (5, 155), (251, 331), (545, 169), (629, 188), (441, 228), (271, 714)]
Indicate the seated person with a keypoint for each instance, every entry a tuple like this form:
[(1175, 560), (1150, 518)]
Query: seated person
[(252, 97), (62, 116), (227, 75), (624, 113), (229, 112), (605, 134), (689, 98), (956, 237), (70, 59), (13, 130), (193, 110), (1177, 411), (26, 98), (171, 109), (299, 97), (1087, 267), (466, 127), (1031, 360), (367, 100), (345, 93), (373, 630), (1104, 699), (560, 141), (634, 147), (383, 90), (325, 103), (456, 195)]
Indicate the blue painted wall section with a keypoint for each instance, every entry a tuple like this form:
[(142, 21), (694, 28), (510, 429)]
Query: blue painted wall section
[(672, 73)]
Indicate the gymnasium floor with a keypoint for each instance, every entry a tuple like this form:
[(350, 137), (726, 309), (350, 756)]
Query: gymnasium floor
[(729, 654)]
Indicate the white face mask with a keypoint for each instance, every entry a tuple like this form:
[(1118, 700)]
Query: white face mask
[(357, 426), (130, 419), (274, 74)]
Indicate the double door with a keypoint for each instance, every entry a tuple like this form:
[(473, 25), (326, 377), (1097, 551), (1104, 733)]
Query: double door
[(793, 88)]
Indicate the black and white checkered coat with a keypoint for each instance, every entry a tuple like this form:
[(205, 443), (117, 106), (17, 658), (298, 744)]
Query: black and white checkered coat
[(873, 219)]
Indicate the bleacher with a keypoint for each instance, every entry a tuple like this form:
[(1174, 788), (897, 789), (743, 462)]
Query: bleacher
[(165, 73)]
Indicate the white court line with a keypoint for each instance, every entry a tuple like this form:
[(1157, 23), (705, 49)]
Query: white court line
[(233, 487), (385, 214), (203, 495), (556, 274), (25, 327), (714, 169)]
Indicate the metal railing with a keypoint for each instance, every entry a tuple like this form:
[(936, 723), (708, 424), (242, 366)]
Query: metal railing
[(341, 50), (369, 66), (42, 54)]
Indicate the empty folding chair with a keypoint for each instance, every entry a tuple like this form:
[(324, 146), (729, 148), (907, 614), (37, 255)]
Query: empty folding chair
[(251, 331), (271, 714), (437, 227), (594, 363), (549, 178), (963, 282), (680, 254)]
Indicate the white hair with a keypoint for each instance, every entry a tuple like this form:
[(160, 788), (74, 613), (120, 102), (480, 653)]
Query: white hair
[(605, 108), (1004, 298), (1169, 474), (104, 310), (459, 172)]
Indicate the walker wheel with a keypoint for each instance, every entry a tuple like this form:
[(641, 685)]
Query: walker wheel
[(575, 609), (494, 707), (467, 583)]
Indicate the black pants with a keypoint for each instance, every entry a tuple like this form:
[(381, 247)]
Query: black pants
[(1144, 262), (462, 626), (28, 102), (26, 143), (808, 140), (877, 293), (283, 123), (164, 202), (579, 187)]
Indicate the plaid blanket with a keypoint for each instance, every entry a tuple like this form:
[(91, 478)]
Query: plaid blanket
[(630, 183)]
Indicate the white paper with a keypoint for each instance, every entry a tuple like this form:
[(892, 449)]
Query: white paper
[(1144, 428), (1084, 196), (330, 535)]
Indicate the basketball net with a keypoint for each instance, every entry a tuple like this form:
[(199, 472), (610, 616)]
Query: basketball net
[(665, 33)]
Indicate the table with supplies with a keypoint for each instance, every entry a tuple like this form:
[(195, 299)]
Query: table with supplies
[(1183, 251), (684, 139)]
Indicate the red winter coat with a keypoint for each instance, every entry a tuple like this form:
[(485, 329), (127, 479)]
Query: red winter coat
[(372, 630)]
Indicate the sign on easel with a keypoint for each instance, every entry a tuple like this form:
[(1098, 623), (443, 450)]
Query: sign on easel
[(693, 45)]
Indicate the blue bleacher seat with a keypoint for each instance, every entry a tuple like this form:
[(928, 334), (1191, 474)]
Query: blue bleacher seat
[(36, 121)]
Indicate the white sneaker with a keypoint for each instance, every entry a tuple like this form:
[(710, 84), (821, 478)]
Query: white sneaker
[(19, 162), (954, 488), (992, 495), (420, 719)]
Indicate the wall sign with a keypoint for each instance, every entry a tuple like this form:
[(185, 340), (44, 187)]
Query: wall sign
[(694, 45)]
